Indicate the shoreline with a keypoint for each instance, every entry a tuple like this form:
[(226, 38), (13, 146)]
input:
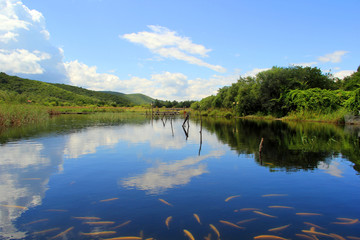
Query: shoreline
[(13, 115)]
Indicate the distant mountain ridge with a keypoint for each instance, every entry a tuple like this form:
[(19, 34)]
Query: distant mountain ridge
[(62, 94), (136, 98)]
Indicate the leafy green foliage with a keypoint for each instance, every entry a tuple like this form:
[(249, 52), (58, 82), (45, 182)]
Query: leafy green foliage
[(206, 103), (315, 99), (247, 101), (280, 91), (352, 82), (172, 104), (353, 103), (277, 82)]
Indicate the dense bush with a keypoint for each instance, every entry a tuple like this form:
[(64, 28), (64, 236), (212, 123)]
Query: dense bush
[(315, 99), (353, 103), (279, 91)]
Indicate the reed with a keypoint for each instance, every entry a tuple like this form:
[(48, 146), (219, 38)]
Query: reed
[(95, 109), (14, 115), (318, 116)]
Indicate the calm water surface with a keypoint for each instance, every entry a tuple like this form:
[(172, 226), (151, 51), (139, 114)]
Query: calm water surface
[(80, 177)]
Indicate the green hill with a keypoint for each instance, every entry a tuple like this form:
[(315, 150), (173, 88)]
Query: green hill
[(16, 89), (135, 98), (101, 96)]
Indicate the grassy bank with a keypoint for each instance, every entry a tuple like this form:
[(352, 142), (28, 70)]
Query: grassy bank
[(331, 117), (21, 114), (214, 113), (95, 109), (15, 115)]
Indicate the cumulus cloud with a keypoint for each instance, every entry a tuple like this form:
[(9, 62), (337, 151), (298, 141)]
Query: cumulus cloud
[(343, 74), (203, 87), (82, 75), (169, 44), (25, 49), (9, 36), (334, 57), (164, 85), (22, 61)]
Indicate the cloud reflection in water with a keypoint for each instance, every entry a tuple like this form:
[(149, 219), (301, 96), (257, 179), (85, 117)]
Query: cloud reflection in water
[(17, 162), (169, 175), (333, 168)]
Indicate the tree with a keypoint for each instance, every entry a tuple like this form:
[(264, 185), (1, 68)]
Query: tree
[(277, 82), (247, 100), (352, 82)]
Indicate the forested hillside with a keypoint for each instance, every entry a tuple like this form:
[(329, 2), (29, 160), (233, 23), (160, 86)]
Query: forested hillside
[(281, 91), (105, 98), (135, 98), (19, 90)]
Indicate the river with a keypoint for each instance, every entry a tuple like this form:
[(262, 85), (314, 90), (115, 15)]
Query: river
[(105, 176)]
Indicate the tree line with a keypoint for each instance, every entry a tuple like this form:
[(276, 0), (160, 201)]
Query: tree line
[(172, 104), (282, 90)]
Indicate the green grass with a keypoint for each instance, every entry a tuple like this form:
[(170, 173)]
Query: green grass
[(14, 115), (96, 109), (334, 116), (214, 113)]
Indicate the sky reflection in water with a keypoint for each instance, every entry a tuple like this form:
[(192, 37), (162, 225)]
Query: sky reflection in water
[(119, 172)]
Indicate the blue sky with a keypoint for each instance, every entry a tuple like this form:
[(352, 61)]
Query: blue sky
[(174, 50)]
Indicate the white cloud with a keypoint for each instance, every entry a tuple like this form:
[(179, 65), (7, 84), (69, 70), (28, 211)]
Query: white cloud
[(35, 15), (343, 74), (162, 86), (168, 44), (7, 37), (305, 64), (334, 57), (82, 75), (159, 86), (168, 79), (202, 87), (22, 61), (255, 71), (9, 21), (165, 85), (46, 34), (24, 43), (163, 37)]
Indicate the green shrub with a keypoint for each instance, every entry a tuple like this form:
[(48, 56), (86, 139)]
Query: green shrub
[(353, 103)]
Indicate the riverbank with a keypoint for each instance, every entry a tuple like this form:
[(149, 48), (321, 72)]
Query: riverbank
[(14, 115), (341, 116)]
